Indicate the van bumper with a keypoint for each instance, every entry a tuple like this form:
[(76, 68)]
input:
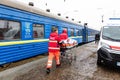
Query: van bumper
[(108, 58)]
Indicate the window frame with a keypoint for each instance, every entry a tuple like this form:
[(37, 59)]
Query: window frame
[(54, 27), (65, 28), (73, 32), (43, 31), (80, 32), (10, 20), (77, 32)]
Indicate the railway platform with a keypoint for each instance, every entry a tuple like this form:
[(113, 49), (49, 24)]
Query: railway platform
[(35, 70)]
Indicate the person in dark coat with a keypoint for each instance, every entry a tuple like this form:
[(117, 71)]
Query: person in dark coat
[(97, 38)]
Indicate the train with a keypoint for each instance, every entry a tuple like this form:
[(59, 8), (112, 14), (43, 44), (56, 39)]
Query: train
[(24, 31)]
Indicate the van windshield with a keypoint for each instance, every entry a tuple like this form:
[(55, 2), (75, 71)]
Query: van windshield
[(111, 33)]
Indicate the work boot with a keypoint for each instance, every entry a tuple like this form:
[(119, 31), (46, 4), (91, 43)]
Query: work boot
[(48, 70), (58, 65)]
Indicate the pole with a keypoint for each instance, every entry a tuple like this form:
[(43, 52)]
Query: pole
[(102, 18)]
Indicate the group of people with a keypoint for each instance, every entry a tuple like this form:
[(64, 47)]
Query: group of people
[(54, 48)]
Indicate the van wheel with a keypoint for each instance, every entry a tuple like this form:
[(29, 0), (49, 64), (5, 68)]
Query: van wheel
[(98, 63)]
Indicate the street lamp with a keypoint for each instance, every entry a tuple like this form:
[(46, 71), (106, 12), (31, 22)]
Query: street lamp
[(101, 14)]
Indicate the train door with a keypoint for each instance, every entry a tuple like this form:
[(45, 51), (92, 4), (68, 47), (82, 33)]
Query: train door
[(85, 34), (80, 34)]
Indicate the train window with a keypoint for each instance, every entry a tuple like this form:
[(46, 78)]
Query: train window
[(38, 31), (77, 32), (64, 28), (80, 32), (54, 27), (92, 33), (9, 30), (71, 32)]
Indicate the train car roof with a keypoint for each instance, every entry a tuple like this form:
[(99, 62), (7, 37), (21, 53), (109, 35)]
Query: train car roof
[(22, 6)]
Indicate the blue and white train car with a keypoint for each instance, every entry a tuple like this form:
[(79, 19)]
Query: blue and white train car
[(24, 30), (88, 34), (91, 34)]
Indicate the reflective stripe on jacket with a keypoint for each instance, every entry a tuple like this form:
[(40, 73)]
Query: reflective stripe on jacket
[(54, 48)]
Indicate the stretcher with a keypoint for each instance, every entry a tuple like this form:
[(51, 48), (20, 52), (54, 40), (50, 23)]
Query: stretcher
[(68, 43), (67, 55)]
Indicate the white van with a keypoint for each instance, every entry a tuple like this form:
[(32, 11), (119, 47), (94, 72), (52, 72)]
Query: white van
[(109, 45)]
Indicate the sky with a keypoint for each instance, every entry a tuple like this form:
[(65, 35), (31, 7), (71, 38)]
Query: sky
[(86, 11)]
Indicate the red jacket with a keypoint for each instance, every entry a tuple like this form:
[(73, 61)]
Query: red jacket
[(63, 35), (53, 42)]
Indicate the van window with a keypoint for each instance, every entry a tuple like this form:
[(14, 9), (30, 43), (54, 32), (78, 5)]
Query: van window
[(111, 33), (38, 31), (9, 30)]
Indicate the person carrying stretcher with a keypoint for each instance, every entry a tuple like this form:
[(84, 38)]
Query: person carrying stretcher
[(63, 36), (54, 50)]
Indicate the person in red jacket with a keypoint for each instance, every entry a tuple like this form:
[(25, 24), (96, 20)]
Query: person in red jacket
[(63, 35), (54, 50)]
